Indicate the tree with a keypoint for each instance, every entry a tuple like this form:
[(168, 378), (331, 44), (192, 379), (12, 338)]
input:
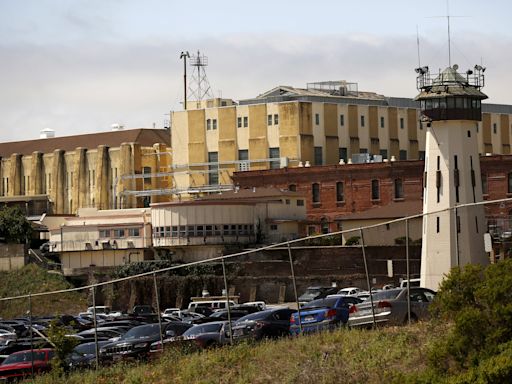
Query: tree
[(14, 226)]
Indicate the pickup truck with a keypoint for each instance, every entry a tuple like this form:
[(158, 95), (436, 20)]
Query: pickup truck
[(18, 365)]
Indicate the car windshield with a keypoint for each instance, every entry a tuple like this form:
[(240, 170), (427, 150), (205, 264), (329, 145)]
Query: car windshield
[(142, 331), (23, 357), (386, 294), (204, 328), (88, 348), (327, 302)]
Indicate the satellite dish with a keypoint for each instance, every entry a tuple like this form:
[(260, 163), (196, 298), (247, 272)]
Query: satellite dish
[(455, 66)]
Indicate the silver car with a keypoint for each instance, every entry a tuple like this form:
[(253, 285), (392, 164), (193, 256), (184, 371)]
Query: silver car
[(390, 307)]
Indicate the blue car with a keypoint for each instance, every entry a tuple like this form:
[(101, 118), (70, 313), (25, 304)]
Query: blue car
[(321, 314)]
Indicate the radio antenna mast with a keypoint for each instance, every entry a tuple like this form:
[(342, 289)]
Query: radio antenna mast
[(199, 86)]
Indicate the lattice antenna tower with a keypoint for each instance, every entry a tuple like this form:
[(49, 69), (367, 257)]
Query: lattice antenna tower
[(199, 86)]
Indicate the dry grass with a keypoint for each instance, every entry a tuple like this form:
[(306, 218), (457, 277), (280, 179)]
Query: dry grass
[(349, 356)]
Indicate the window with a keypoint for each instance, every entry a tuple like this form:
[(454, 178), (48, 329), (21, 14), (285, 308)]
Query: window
[(342, 120), (269, 120), (243, 154), (214, 124), (362, 121), (276, 119), (318, 156), (340, 193), (317, 119), (246, 121), (133, 232), (382, 121), (494, 128), (104, 233), (118, 233), (239, 122), (484, 184), (273, 153), (315, 191), (292, 187), (402, 154), (343, 154), (213, 168), (509, 189), (383, 153), (146, 173), (208, 124), (287, 201), (273, 227), (375, 190), (399, 189), (421, 155), (300, 203), (401, 123)]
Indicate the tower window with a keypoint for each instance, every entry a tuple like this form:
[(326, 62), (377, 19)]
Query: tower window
[(362, 121), (269, 119), (382, 121), (246, 121), (342, 120), (317, 119), (401, 123), (239, 122), (494, 128), (276, 119)]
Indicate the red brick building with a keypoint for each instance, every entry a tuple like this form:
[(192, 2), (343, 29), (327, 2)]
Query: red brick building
[(334, 191)]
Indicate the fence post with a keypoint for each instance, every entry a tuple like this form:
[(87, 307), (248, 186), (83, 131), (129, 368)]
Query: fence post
[(367, 277), (227, 300), (93, 289), (31, 334), (158, 310), (294, 282), (408, 271)]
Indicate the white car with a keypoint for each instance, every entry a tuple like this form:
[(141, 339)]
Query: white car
[(350, 291), (171, 312)]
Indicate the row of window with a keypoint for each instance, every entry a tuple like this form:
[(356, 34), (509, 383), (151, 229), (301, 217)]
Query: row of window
[(485, 188), (119, 233), (203, 230), (244, 120), (275, 120), (211, 124), (340, 190)]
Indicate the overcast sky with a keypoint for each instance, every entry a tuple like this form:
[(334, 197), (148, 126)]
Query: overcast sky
[(78, 66)]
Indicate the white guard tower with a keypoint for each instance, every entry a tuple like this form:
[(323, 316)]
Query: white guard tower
[(451, 109)]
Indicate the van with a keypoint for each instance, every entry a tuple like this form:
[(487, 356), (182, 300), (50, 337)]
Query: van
[(100, 309), (211, 304), (414, 283)]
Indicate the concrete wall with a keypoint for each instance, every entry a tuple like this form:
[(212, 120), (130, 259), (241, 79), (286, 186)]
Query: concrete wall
[(12, 256)]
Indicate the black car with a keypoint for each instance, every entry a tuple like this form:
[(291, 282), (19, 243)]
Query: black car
[(136, 342), (270, 323), (314, 293), (83, 356), (221, 315)]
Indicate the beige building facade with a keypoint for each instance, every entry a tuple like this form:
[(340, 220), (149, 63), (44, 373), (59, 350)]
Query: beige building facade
[(319, 125), (93, 170)]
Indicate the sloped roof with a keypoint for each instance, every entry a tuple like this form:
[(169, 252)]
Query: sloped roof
[(285, 90), (394, 210), (145, 137)]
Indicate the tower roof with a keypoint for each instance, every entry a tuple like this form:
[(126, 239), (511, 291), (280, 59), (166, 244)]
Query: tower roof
[(450, 83)]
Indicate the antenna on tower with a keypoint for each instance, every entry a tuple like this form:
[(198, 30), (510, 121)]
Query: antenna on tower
[(418, 44), (449, 41), (199, 86)]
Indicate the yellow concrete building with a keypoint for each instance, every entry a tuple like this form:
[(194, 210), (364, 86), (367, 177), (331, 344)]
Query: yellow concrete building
[(59, 175), (318, 125)]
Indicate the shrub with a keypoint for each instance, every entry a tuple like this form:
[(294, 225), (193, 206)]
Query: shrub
[(354, 240)]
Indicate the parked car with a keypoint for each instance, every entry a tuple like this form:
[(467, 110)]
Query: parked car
[(18, 365), (221, 315), (390, 307), (270, 323), (143, 310), (206, 335), (313, 293), (83, 356), (171, 312), (136, 342), (320, 314), (350, 291)]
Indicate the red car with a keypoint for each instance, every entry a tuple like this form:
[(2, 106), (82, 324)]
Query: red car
[(19, 364)]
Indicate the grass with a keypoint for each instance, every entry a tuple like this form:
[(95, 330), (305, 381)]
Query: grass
[(33, 279), (349, 356)]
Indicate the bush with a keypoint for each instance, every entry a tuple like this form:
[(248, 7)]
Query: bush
[(479, 302), (354, 240)]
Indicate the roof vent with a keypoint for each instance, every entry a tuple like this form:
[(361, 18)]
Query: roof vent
[(117, 127), (46, 133)]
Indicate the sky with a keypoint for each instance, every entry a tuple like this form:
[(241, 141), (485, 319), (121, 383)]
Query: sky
[(79, 66)]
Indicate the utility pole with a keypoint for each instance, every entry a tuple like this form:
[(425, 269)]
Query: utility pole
[(184, 55)]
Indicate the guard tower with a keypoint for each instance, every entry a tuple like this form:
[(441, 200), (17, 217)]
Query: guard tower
[(450, 110)]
